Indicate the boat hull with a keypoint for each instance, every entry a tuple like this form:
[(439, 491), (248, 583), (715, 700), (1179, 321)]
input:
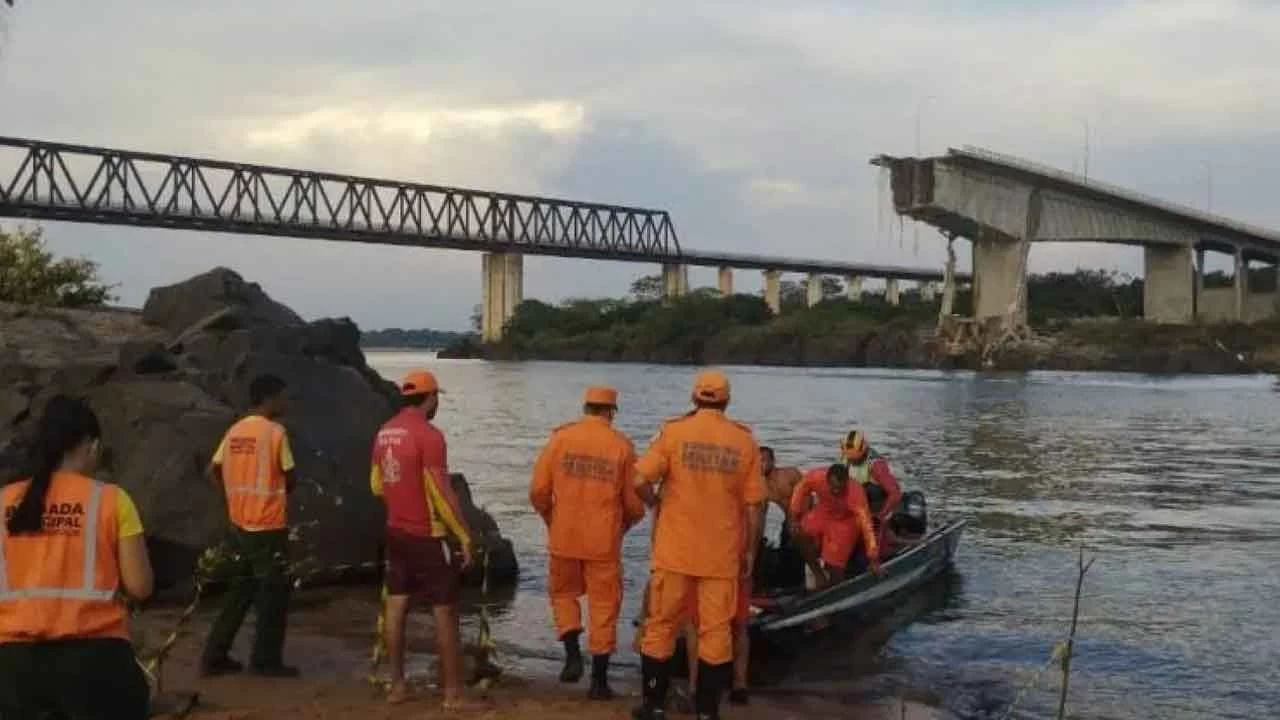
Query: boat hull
[(903, 573)]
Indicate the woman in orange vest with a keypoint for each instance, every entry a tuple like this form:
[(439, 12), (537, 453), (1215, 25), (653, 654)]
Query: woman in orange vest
[(69, 547)]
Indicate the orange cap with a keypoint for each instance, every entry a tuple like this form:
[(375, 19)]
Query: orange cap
[(599, 395), (419, 382), (711, 386)]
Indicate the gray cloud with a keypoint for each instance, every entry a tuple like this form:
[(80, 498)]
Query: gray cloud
[(752, 122)]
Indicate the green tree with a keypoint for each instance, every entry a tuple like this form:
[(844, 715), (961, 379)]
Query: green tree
[(648, 287), (31, 275)]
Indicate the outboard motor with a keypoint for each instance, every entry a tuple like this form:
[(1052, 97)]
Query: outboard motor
[(912, 515)]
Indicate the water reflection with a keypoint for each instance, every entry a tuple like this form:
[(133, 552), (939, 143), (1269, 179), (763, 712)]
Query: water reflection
[(1174, 484)]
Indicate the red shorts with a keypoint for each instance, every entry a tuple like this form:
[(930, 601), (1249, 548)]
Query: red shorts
[(419, 567), (740, 616)]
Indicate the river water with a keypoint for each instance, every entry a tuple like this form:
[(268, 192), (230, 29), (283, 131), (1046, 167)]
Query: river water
[(1172, 485)]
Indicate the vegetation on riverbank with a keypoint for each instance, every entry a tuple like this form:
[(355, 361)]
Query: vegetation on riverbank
[(420, 339), (1084, 320)]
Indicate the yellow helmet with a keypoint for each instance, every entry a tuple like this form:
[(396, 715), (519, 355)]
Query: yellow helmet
[(854, 446)]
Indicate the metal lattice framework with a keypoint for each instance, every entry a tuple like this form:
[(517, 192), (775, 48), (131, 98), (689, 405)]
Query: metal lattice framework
[(54, 181)]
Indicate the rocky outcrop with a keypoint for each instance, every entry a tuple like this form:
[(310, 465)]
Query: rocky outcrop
[(167, 382)]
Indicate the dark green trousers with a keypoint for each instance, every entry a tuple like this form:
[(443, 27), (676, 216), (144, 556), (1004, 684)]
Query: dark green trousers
[(260, 579), (72, 680)]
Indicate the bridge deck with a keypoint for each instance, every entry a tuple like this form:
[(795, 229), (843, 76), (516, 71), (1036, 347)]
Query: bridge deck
[(79, 183)]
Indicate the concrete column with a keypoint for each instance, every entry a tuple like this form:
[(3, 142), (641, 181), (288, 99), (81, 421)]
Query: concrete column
[(997, 279), (928, 291), (891, 294), (814, 289), (675, 280), (1242, 285), (773, 291), (1168, 284), (853, 285), (1199, 284), (502, 280), (726, 281)]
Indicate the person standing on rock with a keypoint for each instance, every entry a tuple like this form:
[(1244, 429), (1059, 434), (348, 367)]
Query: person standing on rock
[(254, 466), (583, 488), (711, 490), (411, 474), (68, 547)]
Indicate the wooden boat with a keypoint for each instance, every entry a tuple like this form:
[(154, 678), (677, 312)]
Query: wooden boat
[(795, 609)]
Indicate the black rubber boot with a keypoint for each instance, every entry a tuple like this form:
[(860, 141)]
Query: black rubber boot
[(600, 689), (572, 671), (657, 680), (712, 681)]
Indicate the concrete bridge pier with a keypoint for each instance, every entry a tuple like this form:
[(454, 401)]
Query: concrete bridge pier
[(726, 281), (1170, 282), (502, 281), (891, 294), (814, 289), (853, 285), (675, 280), (999, 279), (1242, 285), (928, 291), (773, 290)]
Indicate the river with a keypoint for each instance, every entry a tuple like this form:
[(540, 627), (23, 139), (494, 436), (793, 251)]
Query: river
[(1171, 484)]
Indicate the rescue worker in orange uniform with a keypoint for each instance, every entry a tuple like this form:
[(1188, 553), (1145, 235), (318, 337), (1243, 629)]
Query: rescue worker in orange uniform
[(583, 487), (70, 546), (832, 525), (410, 472), (871, 471), (709, 470), (254, 466), (741, 638)]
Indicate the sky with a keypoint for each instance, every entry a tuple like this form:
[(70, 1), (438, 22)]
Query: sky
[(751, 122)]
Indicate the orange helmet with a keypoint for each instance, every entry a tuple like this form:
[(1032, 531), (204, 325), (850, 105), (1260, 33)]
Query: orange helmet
[(854, 446)]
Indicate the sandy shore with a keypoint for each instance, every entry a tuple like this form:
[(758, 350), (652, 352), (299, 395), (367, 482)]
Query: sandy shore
[(330, 640)]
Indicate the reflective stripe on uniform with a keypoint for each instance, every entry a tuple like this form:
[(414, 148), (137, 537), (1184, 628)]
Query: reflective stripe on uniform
[(86, 591), (4, 571)]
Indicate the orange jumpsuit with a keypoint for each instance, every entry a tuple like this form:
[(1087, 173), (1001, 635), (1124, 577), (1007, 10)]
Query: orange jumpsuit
[(835, 522), (710, 471), (584, 489)]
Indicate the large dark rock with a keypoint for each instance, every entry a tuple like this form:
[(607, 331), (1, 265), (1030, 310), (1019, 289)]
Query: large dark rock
[(168, 382), (177, 307)]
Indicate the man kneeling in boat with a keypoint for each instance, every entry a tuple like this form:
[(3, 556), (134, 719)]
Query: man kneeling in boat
[(829, 529)]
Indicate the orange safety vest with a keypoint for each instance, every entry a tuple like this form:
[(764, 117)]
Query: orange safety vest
[(251, 474), (61, 583)]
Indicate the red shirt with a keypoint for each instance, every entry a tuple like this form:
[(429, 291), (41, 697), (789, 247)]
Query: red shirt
[(411, 473)]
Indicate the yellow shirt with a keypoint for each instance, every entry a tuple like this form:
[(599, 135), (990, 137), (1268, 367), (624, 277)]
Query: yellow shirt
[(128, 523)]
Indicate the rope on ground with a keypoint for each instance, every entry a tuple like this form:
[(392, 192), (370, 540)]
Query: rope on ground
[(379, 641), (206, 569)]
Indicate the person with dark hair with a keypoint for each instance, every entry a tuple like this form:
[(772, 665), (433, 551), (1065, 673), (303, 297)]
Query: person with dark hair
[(411, 474), (583, 488), (707, 531), (254, 466), (69, 548), (830, 528)]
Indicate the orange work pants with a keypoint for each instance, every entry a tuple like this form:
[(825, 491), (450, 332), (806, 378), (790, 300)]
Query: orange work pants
[(717, 600), (601, 582)]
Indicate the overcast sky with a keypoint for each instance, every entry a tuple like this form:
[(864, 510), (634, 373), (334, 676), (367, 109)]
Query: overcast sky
[(752, 122)]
